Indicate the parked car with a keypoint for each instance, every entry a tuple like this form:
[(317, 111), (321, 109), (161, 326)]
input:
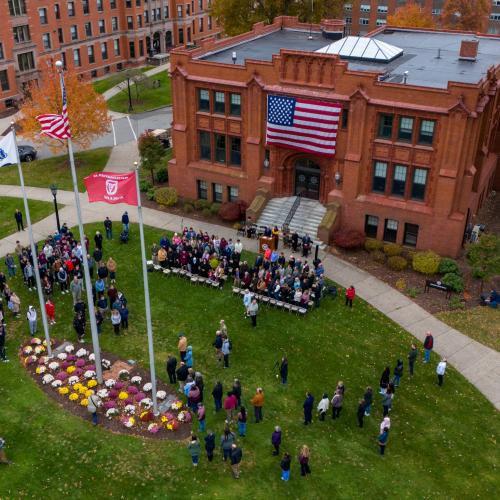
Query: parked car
[(27, 153)]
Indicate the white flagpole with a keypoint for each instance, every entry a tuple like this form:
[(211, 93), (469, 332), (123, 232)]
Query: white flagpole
[(33, 248), (146, 293), (88, 282)]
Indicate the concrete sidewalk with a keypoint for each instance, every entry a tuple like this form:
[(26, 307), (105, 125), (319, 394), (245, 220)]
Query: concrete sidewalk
[(477, 363)]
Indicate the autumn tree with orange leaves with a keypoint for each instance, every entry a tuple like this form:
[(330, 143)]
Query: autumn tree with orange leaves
[(411, 15), (468, 15), (87, 110)]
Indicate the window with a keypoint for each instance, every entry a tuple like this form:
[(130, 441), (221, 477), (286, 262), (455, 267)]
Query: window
[(130, 23), (382, 9), (102, 26), (385, 126), (46, 41), (2, 55), (364, 21), (209, 23), (100, 6), (220, 148), (391, 230), (426, 132), (141, 48), (410, 235), (379, 177), (179, 11), (139, 21), (74, 32), (235, 151), (436, 12), (205, 147), (405, 131), (364, 8), (348, 20), (138, 3), (419, 184), (345, 118), (380, 22), (188, 9), (200, 4), (146, 16), (4, 80), (26, 61), (220, 105), (85, 5), (116, 47), (166, 13), (90, 54), (158, 14), (188, 35), (76, 57), (71, 9), (112, 4), (233, 193), (119, 66), (494, 17), (181, 36), (235, 108), (57, 11), (42, 14), (114, 24), (63, 59), (88, 30), (371, 226), (107, 69), (131, 49), (128, 4), (201, 24), (17, 7), (60, 35), (104, 50), (217, 192), (399, 180), (203, 100), (348, 7), (22, 34), (202, 189)]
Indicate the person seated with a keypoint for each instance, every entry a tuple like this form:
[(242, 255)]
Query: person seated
[(276, 291), (306, 297), (247, 280), (491, 300), (261, 286), (297, 296)]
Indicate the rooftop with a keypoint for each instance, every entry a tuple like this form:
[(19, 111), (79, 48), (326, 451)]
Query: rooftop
[(419, 59)]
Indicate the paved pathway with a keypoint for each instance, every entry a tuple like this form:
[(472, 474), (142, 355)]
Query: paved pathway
[(478, 363)]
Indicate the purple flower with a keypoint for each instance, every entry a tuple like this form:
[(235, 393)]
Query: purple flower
[(113, 394), (71, 357), (129, 401), (80, 363), (65, 364), (139, 396), (109, 404), (119, 385), (62, 376), (78, 372), (90, 367), (132, 389)]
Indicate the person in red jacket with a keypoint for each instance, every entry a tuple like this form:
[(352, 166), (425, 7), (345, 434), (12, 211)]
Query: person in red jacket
[(428, 345), (349, 296), (230, 404), (51, 311)]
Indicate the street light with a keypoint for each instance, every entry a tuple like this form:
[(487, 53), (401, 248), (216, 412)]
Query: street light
[(53, 190), (266, 163)]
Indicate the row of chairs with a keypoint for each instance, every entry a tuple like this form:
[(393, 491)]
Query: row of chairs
[(279, 304)]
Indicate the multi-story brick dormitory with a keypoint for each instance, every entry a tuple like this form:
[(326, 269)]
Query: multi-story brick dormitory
[(93, 37), (418, 138)]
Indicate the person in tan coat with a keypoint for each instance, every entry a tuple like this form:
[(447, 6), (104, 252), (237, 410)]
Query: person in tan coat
[(182, 345), (258, 402), (111, 265)]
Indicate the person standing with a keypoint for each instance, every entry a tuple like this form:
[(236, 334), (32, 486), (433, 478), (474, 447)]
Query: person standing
[(230, 405), (252, 311), (284, 370), (226, 442), (11, 265), (387, 401), (308, 408), (337, 402), (182, 346), (285, 464), (116, 320), (79, 326), (111, 267), (304, 455), (218, 345), (398, 373), (236, 390), (247, 300), (108, 227), (428, 345), (412, 357), (210, 445), (368, 398), (382, 440), (182, 375), (350, 293), (217, 393), (31, 317), (124, 316), (201, 417), (98, 240), (76, 290), (171, 367), (361, 412), (226, 350), (242, 422), (3, 335), (384, 380), (276, 440), (3, 457), (323, 406), (18, 215), (93, 404), (125, 221), (440, 370), (236, 456), (189, 357), (194, 450), (258, 402), (50, 309), (29, 276)]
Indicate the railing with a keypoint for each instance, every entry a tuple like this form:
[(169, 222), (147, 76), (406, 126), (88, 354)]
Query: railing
[(292, 211)]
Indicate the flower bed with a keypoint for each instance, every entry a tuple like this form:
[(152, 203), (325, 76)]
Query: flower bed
[(126, 401)]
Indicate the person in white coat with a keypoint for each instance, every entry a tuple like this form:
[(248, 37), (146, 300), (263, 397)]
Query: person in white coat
[(440, 370), (31, 317), (323, 406)]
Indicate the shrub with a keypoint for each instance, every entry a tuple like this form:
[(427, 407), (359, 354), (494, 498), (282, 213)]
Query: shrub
[(401, 284), (166, 196), (454, 281), (408, 255), (230, 211), (378, 256), (371, 245), (349, 238), (456, 303), (413, 292), (214, 209), (187, 208), (397, 263), (426, 262), (392, 249), (201, 204), (162, 175), (448, 265), (206, 212), (150, 194), (145, 186)]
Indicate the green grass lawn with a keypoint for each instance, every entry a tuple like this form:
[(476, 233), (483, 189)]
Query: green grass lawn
[(101, 86), (55, 170), (148, 98), (443, 441), (480, 323), (38, 211)]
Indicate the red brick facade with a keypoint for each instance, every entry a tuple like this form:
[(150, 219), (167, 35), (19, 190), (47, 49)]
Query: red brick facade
[(449, 154), (95, 37)]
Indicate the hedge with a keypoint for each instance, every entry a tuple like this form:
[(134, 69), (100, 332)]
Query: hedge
[(426, 262), (166, 196)]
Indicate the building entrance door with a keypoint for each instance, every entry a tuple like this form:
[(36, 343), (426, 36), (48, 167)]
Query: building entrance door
[(307, 179)]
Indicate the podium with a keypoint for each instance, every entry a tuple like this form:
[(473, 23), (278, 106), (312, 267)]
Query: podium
[(268, 242)]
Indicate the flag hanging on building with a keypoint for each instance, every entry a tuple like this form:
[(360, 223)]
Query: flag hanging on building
[(112, 188), (57, 126), (302, 124), (8, 153)]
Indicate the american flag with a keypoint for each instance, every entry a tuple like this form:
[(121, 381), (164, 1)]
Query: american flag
[(302, 124), (57, 126)]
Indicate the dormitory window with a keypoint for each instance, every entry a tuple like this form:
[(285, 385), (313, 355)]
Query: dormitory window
[(235, 153), (220, 148), (202, 188), (419, 183), (232, 193), (390, 230), (410, 235), (379, 177), (235, 108), (405, 128), (205, 149), (399, 180), (385, 126), (219, 106), (371, 226), (203, 100), (426, 133), (217, 192)]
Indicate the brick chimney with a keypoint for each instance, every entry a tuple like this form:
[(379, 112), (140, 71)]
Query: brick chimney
[(468, 50)]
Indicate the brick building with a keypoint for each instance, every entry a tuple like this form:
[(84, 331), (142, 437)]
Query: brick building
[(417, 145), (95, 37), (363, 16)]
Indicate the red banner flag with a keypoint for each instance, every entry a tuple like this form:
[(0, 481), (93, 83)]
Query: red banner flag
[(112, 188)]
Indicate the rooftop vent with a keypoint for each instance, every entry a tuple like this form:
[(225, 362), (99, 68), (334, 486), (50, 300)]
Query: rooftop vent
[(468, 50)]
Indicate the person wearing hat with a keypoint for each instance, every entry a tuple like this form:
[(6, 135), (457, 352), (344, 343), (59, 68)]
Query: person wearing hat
[(182, 346)]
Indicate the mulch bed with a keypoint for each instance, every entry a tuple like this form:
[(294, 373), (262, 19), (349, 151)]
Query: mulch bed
[(114, 424)]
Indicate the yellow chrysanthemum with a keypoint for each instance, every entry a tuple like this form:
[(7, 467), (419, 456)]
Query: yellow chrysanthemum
[(164, 419), (123, 395), (89, 393), (70, 369), (73, 396), (84, 402), (92, 383), (63, 390), (82, 389), (77, 386)]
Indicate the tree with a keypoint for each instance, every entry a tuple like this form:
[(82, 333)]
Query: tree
[(133, 81), (484, 257), (469, 15), (411, 15), (151, 152), (87, 110)]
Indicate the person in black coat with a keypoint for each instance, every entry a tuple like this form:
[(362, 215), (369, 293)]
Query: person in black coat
[(171, 367), (182, 375), (237, 390), (98, 240), (217, 395), (384, 380), (284, 370), (361, 412), (308, 408), (210, 445)]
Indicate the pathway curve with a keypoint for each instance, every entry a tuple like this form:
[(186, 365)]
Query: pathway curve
[(477, 363)]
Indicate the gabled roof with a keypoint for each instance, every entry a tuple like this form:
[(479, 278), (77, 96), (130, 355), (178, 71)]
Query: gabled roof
[(362, 49)]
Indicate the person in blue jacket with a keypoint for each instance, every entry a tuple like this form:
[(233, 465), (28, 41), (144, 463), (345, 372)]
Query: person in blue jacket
[(189, 357), (308, 408), (124, 314)]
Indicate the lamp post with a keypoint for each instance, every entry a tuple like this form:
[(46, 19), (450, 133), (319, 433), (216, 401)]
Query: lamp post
[(53, 190)]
